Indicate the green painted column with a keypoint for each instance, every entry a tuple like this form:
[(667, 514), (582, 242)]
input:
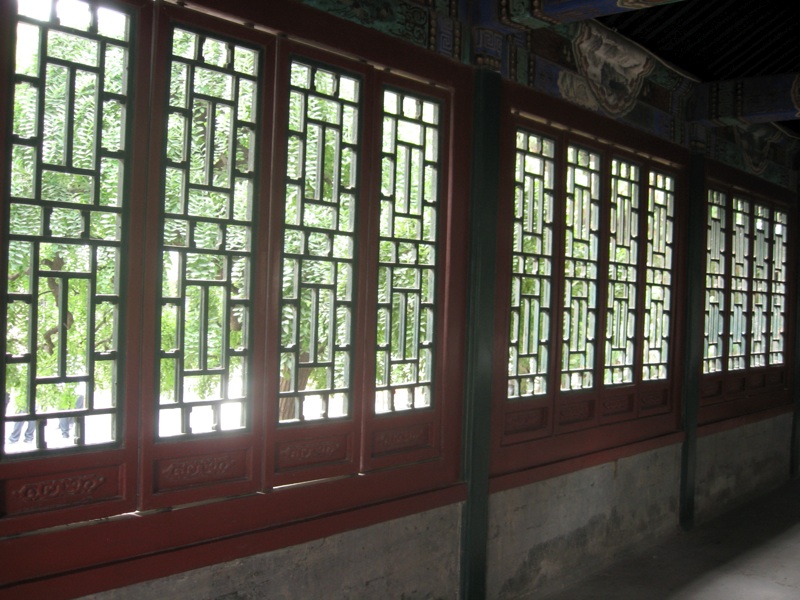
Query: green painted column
[(693, 342), (795, 288), (480, 313)]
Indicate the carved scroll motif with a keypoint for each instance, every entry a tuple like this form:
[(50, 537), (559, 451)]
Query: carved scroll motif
[(203, 468), (310, 452), (402, 440), (63, 487), (33, 494)]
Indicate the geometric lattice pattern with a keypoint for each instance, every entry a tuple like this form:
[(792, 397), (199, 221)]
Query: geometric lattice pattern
[(622, 264), (778, 288), (407, 252), (319, 244), (206, 246), (64, 233), (716, 239), (751, 277), (740, 284), (759, 314), (531, 266), (658, 284), (582, 223)]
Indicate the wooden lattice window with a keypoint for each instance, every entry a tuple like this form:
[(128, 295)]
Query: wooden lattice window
[(602, 206), (319, 279), (759, 314), (778, 288), (587, 253), (658, 278), (623, 254), (69, 150), (581, 269), (716, 251), (198, 218), (746, 262), (407, 252), (739, 298), (531, 266), (206, 242)]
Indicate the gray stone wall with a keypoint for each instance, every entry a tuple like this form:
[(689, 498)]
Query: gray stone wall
[(556, 531), (736, 465), (412, 558), (542, 536)]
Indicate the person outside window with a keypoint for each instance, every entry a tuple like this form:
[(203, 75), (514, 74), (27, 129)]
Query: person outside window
[(64, 423), (16, 431)]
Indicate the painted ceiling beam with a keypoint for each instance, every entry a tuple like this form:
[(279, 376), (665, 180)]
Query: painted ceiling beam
[(747, 101), (569, 11)]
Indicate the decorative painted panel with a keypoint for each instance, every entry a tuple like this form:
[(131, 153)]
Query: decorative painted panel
[(404, 19)]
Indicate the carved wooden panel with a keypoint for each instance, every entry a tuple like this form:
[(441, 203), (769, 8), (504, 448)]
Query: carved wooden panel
[(526, 421), (617, 406), (34, 494), (711, 388), (654, 400), (303, 453), (775, 377), (735, 384), (755, 380), (574, 413), (190, 471), (402, 439)]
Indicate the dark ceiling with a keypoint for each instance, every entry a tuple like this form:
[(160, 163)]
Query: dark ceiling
[(718, 39), (714, 40)]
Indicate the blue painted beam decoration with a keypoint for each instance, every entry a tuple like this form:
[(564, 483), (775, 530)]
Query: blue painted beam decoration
[(437, 25), (748, 101), (570, 11), (556, 47)]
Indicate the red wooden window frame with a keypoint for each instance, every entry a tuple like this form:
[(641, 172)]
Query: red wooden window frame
[(560, 425), (729, 393), (178, 470), (233, 481), (90, 483)]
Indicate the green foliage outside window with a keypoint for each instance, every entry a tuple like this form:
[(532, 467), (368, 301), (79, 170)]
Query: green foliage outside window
[(65, 201)]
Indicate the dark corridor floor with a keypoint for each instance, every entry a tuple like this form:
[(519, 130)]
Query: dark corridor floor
[(750, 553)]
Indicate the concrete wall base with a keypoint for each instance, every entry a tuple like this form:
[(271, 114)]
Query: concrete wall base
[(737, 465), (550, 533), (414, 557)]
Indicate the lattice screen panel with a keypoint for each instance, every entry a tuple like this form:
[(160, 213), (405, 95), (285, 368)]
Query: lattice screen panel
[(531, 266), (205, 297), (69, 152)]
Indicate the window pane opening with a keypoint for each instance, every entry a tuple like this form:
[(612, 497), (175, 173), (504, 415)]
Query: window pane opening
[(206, 248), (65, 232), (407, 272)]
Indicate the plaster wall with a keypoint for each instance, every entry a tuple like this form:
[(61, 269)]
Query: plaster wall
[(412, 558), (736, 465), (548, 534)]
